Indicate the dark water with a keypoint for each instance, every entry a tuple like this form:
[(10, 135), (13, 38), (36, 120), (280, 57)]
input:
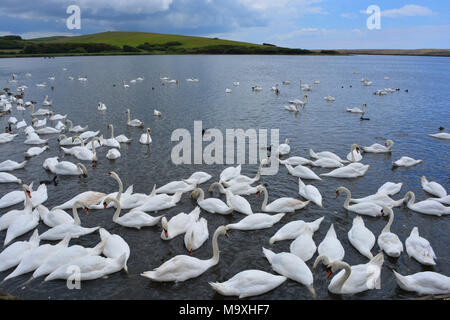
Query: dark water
[(406, 118)]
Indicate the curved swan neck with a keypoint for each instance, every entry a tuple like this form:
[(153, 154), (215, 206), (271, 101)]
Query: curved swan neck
[(128, 112), (71, 124), (112, 131), (387, 228), (342, 265), (76, 218), (349, 195), (28, 203), (117, 178), (219, 185), (412, 199), (266, 198), (117, 213), (82, 168), (201, 196), (215, 258)]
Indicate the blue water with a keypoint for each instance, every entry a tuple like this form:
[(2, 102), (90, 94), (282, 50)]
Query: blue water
[(406, 118)]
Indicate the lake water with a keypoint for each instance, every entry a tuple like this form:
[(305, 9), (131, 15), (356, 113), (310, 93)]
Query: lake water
[(406, 118)]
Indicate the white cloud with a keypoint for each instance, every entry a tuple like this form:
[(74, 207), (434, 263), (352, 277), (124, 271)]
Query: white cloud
[(128, 6), (409, 10)]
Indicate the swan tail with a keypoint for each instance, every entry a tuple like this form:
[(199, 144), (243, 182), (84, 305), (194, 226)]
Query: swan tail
[(104, 234), (177, 197), (314, 225), (278, 217), (378, 259), (272, 240), (220, 288), (401, 280), (312, 154), (268, 254), (423, 181), (22, 164), (153, 191)]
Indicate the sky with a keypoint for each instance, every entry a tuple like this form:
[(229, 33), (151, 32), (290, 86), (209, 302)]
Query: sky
[(309, 24)]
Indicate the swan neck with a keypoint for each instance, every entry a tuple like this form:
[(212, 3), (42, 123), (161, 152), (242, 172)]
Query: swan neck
[(215, 258), (76, 218), (112, 131), (348, 270), (117, 213), (201, 197), (266, 198), (347, 200), (387, 228), (119, 181)]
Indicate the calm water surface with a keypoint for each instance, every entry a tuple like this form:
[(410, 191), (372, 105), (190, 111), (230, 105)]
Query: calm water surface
[(406, 118)]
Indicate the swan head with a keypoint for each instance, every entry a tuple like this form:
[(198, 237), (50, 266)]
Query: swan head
[(355, 147), (165, 226), (386, 211), (388, 142), (259, 189), (27, 190), (223, 230), (339, 190), (195, 193), (149, 131)]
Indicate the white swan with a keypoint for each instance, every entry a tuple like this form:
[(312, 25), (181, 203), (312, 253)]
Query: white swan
[(54, 217), (327, 163), (90, 197), (196, 234), (9, 165), (71, 141), (432, 188), (76, 129), (88, 134), (134, 219), (367, 208), (304, 246), (430, 207), (21, 225), (444, 200), (48, 130), (112, 142), (83, 153), (331, 247), (291, 266), (354, 155), (38, 123), (7, 218), (248, 283), (211, 205), (35, 151), (230, 173), (357, 110), (424, 283), (388, 241), (74, 230), (419, 248), (293, 229), (282, 204), (309, 192), (302, 172), (380, 199), (7, 137), (178, 224), (101, 106), (441, 135), (244, 179), (36, 257), (14, 197), (66, 168), (113, 154), (295, 161), (157, 113), (390, 188), (114, 247), (122, 138), (256, 221), (326, 154), (355, 279), (378, 148), (237, 188), (176, 186), (406, 162), (353, 170), (183, 267), (159, 202), (361, 238), (292, 108), (284, 148), (134, 122), (56, 117), (145, 137), (33, 138), (238, 203), (198, 177), (13, 254)]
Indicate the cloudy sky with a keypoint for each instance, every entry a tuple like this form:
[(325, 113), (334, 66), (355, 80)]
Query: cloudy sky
[(310, 24)]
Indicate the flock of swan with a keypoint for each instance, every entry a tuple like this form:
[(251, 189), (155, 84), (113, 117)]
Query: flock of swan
[(111, 254)]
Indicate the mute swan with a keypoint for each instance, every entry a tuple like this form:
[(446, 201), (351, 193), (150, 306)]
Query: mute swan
[(135, 219), (327, 163), (361, 238), (7, 137), (36, 257), (303, 246), (309, 192), (176, 186), (354, 155), (48, 130), (76, 129), (292, 108), (135, 122), (302, 172), (35, 151), (178, 224), (198, 178), (20, 124), (114, 246), (66, 168), (419, 248), (91, 267), (237, 188), (378, 148), (227, 90), (326, 154), (7, 218), (112, 142), (83, 153), (88, 134), (159, 202), (380, 199), (367, 208), (295, 161), (390, 188), (101, 106), (406, 162), (14, 197), (90, 197), (238, 203), (121, 139), (331, 247), (13, 254), (444, 200), (432, 187), (292, 267), (157, 113), (54, 217), (442, 135), (248, 283), (329, 98), (352, 170), (9, 165), (294, 229), (388, 241), (357, 110), (113, 154), (256, 221), (424, 283), (33, 138), (244, 179), (196, 234), (145, 137), (230, 173), (430, 207), (355, 279), (211, 205), (74, 230), (71, 141), (38, 123), (64, 256), (55, 117), (280, 205), (12, 120), (21, 225), (284, 148), (183, 267)]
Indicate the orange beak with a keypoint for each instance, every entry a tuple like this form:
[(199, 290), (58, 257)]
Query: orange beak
[(166, 233), (29, 194), (105, 205), (227, 234), (93, 163), (329, 273), (337, 194), (190, 253), (86, 210)]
